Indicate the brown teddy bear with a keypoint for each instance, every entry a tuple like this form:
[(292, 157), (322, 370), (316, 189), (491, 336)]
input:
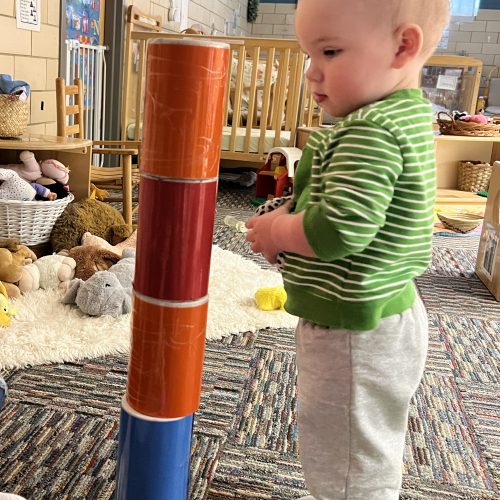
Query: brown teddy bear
[(12, 256), (89, 260), (88, 215)]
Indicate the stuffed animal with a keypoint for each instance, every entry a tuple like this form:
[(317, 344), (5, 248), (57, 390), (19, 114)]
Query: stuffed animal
[(55, 170), (270, 299), (12, 255), (106, 292), (6, 310), (94, 241), (90, 260), (481, 119), (55, 270), (30, 281), (12, 187), (51, 271), (30, 170), (87, 215), (54, 186)]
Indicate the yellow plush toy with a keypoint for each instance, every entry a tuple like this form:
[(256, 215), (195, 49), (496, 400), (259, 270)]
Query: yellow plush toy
[(97, 193), (6, 311), (270, 299)]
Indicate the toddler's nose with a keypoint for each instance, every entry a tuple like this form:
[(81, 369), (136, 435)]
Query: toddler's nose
[(313, 73)]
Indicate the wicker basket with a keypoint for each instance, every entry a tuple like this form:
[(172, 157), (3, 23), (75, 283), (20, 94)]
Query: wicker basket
[(13, 116), (458, 127), (474, 177), (461, 222), (31, 222)]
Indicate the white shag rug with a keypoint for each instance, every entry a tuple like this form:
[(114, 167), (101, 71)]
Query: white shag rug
[(46, 331)]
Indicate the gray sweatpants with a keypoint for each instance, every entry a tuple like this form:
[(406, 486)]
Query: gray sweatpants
[(354, 394)]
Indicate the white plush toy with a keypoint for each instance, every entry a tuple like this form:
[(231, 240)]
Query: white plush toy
[(55, 271), (31, 281)]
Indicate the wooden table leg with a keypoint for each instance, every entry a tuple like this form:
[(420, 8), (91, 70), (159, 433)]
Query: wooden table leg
[(127, 188)]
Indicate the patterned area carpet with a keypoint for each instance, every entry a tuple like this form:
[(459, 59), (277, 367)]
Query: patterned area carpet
[(59, 429)]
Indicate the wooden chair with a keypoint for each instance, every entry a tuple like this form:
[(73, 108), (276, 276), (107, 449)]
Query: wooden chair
[(123, 178), (490, 102)]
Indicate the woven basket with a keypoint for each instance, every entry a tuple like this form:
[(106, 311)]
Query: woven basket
[(31, 222), (461, 222), (458, 127), (474, 177), (13, 117)]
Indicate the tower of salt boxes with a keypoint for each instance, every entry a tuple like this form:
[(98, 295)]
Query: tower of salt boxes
[(182, 130)]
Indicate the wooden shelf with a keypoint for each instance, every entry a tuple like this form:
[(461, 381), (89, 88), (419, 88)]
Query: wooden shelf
[(456, 197), (463, 138)]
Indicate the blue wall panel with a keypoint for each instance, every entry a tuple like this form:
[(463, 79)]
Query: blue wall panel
[(490, 4)]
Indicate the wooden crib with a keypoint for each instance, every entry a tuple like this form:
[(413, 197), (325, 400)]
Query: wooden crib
[(265, 102)]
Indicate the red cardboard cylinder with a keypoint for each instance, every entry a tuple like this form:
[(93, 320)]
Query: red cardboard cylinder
[(183, 108), (174, 246), (166, 358)]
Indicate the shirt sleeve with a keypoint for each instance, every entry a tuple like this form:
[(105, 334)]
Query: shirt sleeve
[(40, 190), (351, 190)]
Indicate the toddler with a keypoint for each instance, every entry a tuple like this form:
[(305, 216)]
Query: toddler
[(359, 233)]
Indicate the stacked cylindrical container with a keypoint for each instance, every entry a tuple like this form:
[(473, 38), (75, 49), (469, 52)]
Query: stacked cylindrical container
[(182, 130)]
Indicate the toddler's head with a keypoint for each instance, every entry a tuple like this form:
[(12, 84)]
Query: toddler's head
[(360, 51)]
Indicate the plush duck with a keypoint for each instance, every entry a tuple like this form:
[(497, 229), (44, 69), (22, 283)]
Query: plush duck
[(271, 299), (6, 310)]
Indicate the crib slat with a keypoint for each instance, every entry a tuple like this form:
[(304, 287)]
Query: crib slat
[(237, 97), (295, 100), (138, 97), (266, 95), (252, 99), (303, 102), (228, 85), (292, 88), (310, 110), (280, 108)]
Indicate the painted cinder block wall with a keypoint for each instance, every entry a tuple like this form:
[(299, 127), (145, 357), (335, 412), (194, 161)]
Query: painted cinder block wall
[(480, 39), (204, 12), (33, 57)]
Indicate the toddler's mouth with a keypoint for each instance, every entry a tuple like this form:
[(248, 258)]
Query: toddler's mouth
[(319, 98)]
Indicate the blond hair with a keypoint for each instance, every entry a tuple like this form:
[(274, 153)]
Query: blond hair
[(431, 15)]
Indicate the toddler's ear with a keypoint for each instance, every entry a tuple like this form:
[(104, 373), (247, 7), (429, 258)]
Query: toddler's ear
[(409, 39)]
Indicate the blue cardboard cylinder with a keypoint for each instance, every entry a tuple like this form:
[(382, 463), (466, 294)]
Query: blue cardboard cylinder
[(153, 456)]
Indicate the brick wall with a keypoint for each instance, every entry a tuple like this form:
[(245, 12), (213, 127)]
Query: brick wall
[(275, 20), (33, 57), (481, 39), (204, 12)]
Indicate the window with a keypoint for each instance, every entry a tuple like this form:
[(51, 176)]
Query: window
[(464, 10)]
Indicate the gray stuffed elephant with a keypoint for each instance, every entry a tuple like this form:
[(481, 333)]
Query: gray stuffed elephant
[(106, 292)]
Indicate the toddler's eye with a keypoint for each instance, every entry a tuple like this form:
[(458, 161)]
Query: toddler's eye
[(331, 52)]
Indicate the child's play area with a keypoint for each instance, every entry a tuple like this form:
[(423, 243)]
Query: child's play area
[(146, 348)]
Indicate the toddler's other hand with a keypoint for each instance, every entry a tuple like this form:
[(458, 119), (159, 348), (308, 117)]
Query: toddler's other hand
[(52, 196), (260, 234)]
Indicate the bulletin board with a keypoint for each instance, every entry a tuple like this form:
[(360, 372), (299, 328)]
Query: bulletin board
[(84, 21)]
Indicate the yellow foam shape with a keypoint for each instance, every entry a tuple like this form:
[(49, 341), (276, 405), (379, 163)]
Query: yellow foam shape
[(271, 299)]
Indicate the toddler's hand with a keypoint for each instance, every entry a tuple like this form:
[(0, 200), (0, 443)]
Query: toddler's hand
[(260, 234), (52, 196)]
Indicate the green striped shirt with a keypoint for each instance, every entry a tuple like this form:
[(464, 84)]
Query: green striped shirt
[(367, 187)]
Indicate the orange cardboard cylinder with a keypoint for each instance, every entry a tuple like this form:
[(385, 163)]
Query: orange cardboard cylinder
[(183, 108), (166, 356)]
